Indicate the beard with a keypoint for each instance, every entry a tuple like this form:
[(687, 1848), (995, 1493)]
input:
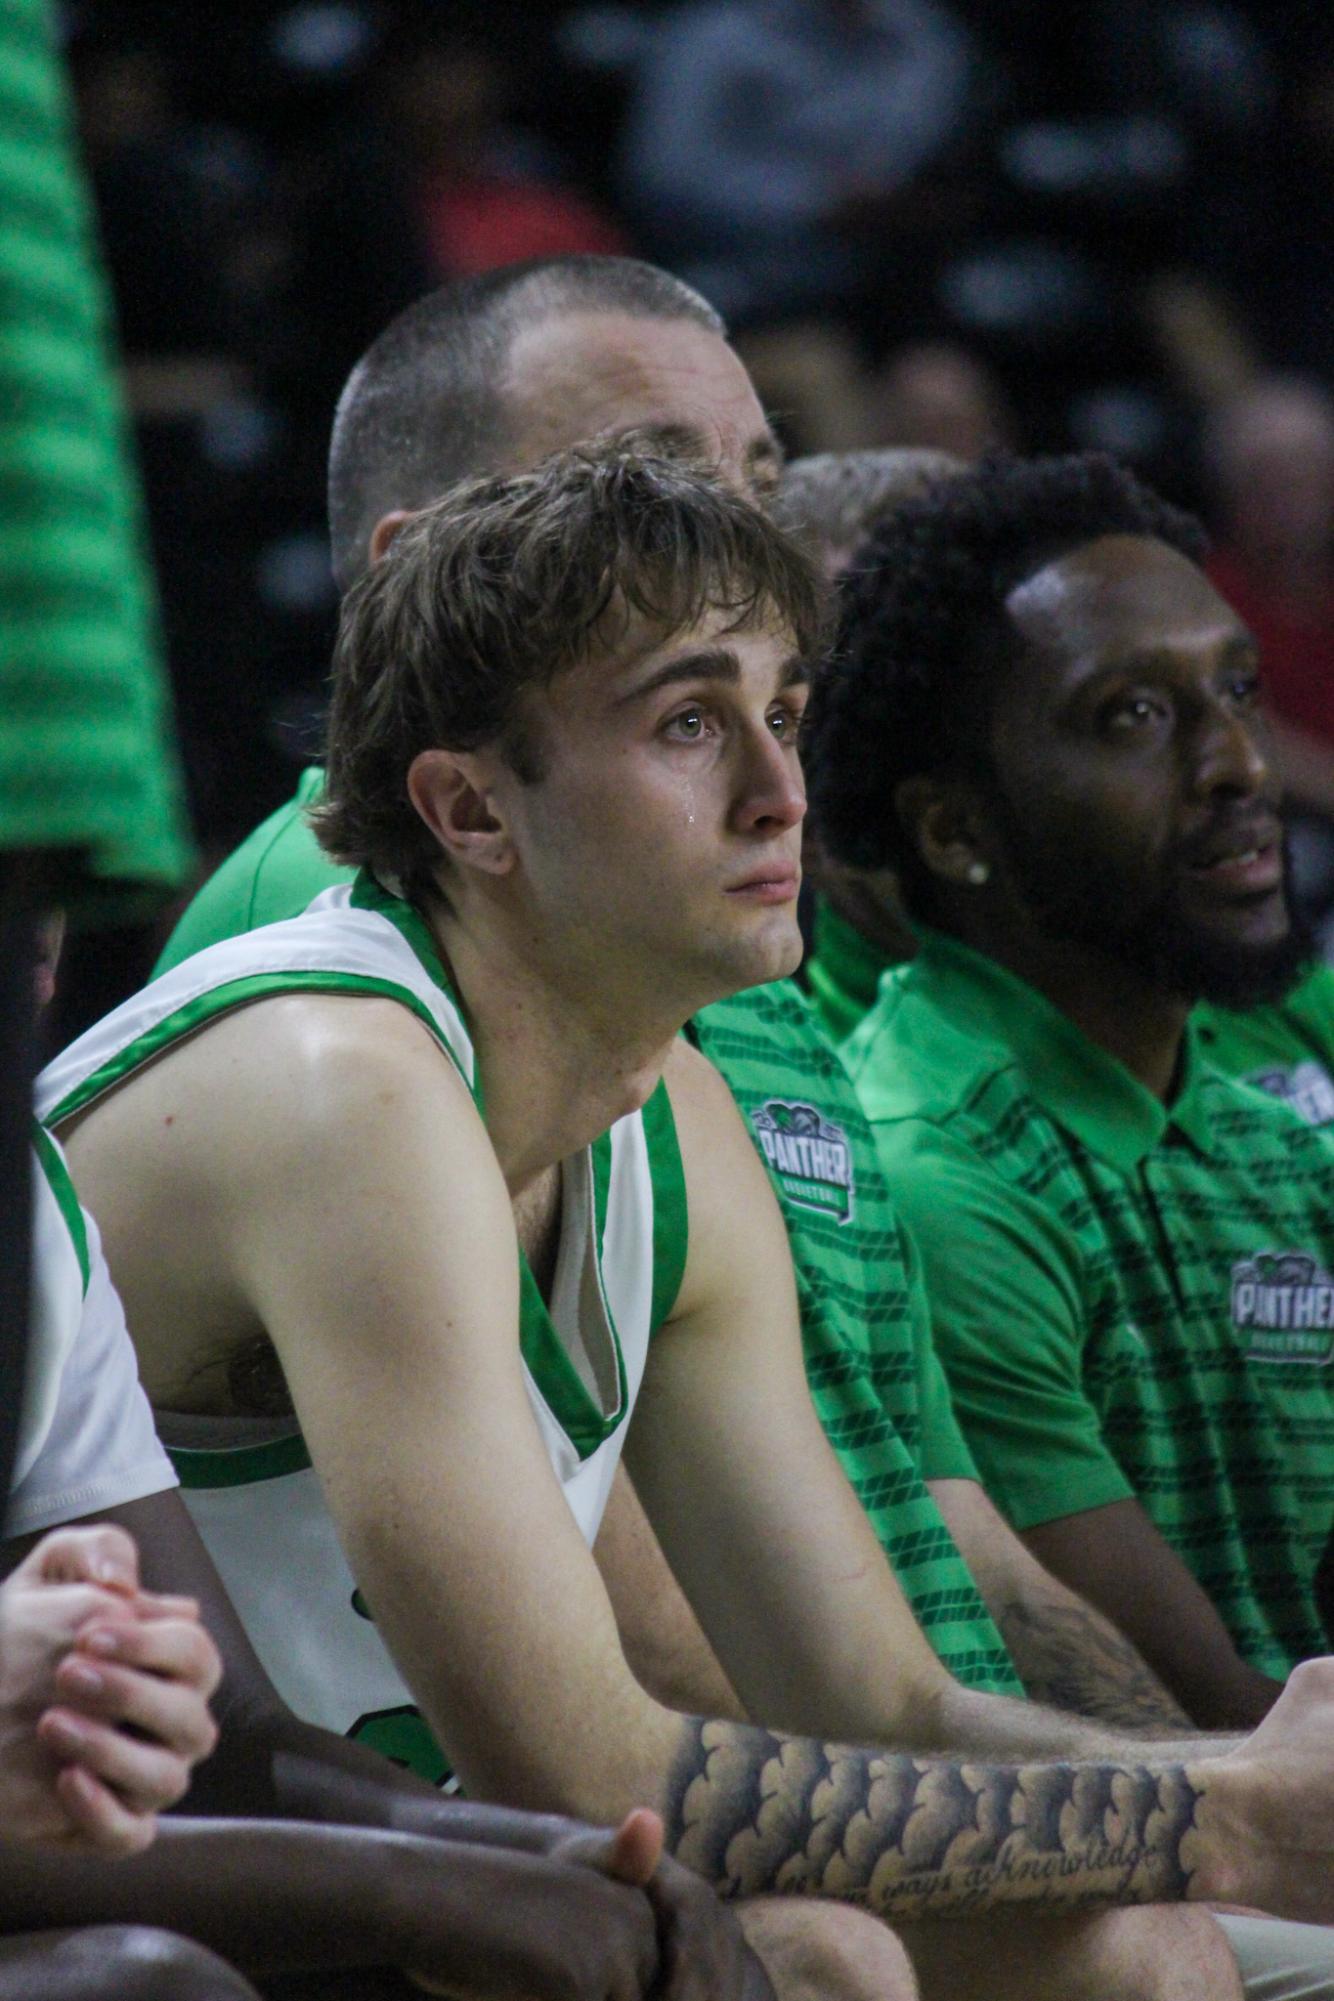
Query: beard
[(1077, 899)]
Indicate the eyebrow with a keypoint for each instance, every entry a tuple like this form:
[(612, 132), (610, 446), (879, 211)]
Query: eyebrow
[(687, 441), (712, 663), (1237, 647)]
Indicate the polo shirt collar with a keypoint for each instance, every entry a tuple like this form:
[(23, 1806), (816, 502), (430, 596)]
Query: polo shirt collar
[(1081, 1086), (853, 963)]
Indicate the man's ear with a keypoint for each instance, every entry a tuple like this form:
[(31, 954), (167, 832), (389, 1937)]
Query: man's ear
[(385, 529), (944, 820), (452, 791)]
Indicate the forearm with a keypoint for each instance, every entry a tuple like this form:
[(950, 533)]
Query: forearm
[(270, 1896), (970, 1724), (1071, 1657), (910, 1836), (285, 1769), (1115, 1557)]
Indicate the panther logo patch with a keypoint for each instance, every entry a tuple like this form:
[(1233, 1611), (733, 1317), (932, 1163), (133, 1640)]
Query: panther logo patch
[(809, 1156), (1284, 1302)]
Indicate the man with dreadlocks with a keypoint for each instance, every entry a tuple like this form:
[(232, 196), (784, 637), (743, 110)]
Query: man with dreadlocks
[(1045, 719)]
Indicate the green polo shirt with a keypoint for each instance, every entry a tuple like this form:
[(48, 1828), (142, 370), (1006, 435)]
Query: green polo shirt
[(1129, 1299), (874, 1377), (842, 970), (1285, 1049)]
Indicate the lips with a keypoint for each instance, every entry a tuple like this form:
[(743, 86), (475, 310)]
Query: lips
[(776, 883), (1245, 855)]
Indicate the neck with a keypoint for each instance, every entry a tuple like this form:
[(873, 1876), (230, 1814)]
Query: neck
[(1114, 1006), (560, 1056)]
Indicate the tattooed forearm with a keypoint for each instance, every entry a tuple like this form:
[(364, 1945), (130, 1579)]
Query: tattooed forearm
[(1068, 1655), (909, 1836)]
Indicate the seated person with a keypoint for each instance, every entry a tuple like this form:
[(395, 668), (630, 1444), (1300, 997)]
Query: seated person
[(56, 1754), (1043, 719), (79, 1775), (478, 377), (1284, 1047), (463, 1310), (103, 1710)]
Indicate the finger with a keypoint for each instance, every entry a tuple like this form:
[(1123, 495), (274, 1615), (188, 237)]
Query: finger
[(97, 1819), (177, 1649), (162, 1605), (144, 1776), (636, 1847), (105, 1555), (702, 1946), (171, 1713)]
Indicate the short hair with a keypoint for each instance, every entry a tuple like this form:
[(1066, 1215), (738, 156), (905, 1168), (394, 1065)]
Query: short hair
[(924, 640), (509, 581), (423, 408), (832, 500)]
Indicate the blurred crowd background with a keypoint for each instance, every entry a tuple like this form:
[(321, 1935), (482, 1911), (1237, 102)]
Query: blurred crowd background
[(1044, 224)]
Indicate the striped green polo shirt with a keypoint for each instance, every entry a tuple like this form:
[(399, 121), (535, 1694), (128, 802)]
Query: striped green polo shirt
[(1129, 1298)]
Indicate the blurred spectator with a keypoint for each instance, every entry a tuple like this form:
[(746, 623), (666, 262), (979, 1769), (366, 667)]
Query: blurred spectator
[(431, 181), (783, 151), (1269, 456), (935, 396)]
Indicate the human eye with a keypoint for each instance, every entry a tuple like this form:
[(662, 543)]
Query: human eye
[(691, 724), (1132, 712), (784, 718), (1244, 689)]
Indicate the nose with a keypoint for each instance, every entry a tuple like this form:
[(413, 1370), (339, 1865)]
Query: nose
[(771, 792), (1232, 758)]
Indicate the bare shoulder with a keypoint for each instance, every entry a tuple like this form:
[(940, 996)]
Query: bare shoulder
[(279, 1103), (282, 1071), (733, 1213)]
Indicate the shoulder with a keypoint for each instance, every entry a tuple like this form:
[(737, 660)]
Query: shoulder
[(728, 1192), (327, 1063), (766, 1038), (910, 1059), (295, 1091), (1313, 1002), (1251, 1125)]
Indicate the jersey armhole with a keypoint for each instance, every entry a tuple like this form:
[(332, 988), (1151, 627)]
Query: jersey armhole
[(57, 1175)]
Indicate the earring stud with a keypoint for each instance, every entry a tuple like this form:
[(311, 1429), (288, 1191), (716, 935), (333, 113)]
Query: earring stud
[(977, 873)]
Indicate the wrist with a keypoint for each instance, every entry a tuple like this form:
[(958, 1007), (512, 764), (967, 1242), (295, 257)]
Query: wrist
[(1218, 1853)]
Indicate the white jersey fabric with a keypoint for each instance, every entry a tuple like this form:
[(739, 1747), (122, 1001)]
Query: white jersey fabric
[(86, 1437), (254, 1496)]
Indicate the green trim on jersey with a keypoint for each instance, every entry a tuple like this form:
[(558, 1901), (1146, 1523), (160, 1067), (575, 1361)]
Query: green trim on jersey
[(239, 1465), (58, 1181), (670, 1215), (222, 1000), (1131, 1299), (578, 1415), (543, 1350)]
